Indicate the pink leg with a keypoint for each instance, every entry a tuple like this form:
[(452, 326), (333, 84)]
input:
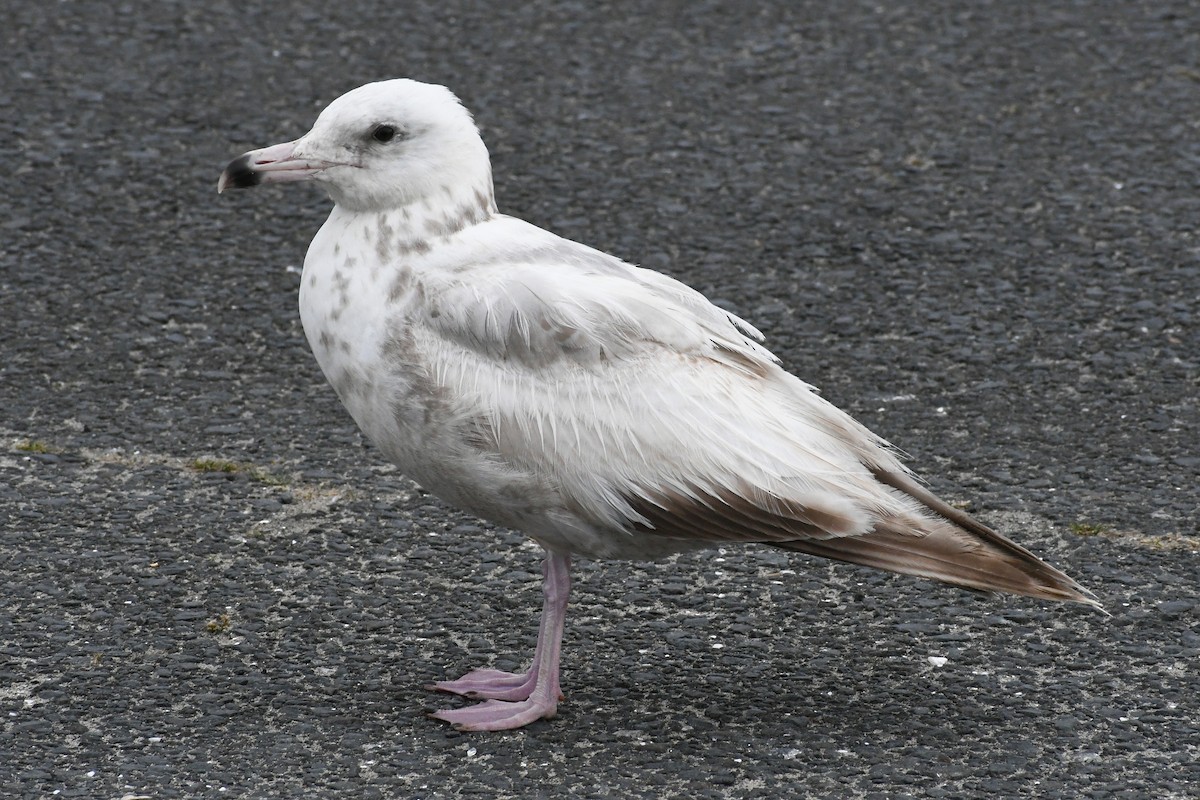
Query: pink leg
[(516, 699), (495, 684)]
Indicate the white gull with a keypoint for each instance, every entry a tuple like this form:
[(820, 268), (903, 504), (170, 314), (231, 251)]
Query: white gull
[(605, 410)]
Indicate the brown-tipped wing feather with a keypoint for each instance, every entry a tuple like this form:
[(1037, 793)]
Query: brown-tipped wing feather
[(1008, 560), (951, 547), (720, 514)]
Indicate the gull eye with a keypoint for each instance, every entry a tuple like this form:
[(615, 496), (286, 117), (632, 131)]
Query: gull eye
[(383, 133)]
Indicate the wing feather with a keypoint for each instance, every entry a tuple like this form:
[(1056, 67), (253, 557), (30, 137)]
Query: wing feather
[(667, 419)]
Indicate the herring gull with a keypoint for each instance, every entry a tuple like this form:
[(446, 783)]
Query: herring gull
[(605, 410)]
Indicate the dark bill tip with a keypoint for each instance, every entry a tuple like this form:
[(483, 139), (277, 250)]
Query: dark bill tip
[(239, 174)]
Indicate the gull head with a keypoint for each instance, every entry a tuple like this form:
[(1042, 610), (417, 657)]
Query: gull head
[(381, 146)]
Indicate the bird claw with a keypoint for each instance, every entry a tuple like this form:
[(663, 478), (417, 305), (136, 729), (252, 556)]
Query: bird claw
[(498, 715), (491, 684)]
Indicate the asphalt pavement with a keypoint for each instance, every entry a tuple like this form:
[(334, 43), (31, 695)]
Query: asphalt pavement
[(972, 224)]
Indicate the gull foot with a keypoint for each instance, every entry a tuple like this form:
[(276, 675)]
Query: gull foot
[(492, 684), (498, 715)]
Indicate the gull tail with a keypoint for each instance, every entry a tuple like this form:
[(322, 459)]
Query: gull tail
[(958, 549)]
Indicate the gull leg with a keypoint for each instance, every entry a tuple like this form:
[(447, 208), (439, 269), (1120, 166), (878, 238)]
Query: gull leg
[(495, 684), (517, 699)]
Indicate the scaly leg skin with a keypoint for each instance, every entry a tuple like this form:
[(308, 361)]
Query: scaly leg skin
[(515, 699), (490, 684), (494, 684)]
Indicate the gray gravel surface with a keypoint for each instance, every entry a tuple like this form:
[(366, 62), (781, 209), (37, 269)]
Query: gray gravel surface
[(972, 223)]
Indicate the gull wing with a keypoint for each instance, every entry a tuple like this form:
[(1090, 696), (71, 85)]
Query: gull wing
[(655, 414)]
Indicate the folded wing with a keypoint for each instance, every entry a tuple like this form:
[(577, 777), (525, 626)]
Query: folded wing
[(655, 414)]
